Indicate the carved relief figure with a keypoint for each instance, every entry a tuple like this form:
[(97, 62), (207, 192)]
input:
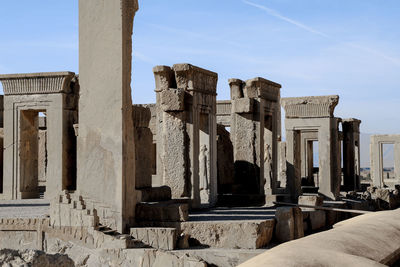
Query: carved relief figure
[(203, 170)]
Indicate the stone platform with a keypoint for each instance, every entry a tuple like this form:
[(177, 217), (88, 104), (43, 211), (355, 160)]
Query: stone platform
[(245, 228), (24, 208)]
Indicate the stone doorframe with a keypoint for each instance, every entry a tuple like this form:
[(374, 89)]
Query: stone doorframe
[(376, 157), (313, 114), (25, 96)]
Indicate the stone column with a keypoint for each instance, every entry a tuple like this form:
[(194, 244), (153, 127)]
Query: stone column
[(171, 136), (105, 141), (375, 149), (186, 111), (143, 145), (293, 163), (329, 159), (351, 154), (254, 131), (200, 88)]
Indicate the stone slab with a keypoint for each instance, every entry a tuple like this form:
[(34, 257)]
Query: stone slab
[(230, 234), (166, 211), (160, 238)]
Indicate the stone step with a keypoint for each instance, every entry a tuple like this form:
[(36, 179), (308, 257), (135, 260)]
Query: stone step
[(240, 200), (155, 194), (164, 211)]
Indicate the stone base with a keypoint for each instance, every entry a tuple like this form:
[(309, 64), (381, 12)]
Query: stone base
[(165, 211), (247, 228), (154, 194)]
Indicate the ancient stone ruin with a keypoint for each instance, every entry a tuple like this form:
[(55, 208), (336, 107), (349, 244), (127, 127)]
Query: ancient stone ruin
[(89, 179)]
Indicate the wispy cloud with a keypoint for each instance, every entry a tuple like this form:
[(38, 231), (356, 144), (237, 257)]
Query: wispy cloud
[(274, 13), (369, 50)]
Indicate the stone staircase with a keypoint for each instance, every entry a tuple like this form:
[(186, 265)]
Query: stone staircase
[(72, 219)]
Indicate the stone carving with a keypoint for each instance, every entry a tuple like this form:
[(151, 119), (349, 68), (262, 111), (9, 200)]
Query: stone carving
[(203, 160)]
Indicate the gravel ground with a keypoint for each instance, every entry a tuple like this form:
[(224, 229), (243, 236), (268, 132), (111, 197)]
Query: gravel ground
[(26, 208)]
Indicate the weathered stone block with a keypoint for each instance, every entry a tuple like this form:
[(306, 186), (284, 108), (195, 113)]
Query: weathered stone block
[(167, 211), (310, 200), (189, 77), (317, 219), (262, 88), (243, 105), (284, 230), (164, 77), (160, 238), (153, 194), (298, 223), (172, 100), (289, 223), (230, 234)]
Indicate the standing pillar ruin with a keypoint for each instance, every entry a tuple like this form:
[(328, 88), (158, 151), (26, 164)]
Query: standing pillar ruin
[(254, 133), (106, 178), (187, 129), (351, 154)]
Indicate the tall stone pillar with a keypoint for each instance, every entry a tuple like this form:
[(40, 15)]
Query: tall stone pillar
[(351, 154), (186, 111), (293, 163), (105, 141), (171, 133), (254, 131)]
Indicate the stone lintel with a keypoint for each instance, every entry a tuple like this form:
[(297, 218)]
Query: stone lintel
[(224, 108), (243, 105), (192, 78), (385, 138), (37, 83), (262, 88), (164, 77), (310, 106)]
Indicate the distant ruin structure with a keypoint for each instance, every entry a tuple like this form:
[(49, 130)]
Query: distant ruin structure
[(376, 157)]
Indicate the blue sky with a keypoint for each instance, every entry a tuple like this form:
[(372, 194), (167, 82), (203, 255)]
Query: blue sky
[(311, 47)]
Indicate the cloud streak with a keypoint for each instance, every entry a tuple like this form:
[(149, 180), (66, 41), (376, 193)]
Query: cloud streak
[(276, 14), (298, 24)]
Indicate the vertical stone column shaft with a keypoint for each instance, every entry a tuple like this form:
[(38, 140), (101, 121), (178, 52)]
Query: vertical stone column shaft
[(105, 141)]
